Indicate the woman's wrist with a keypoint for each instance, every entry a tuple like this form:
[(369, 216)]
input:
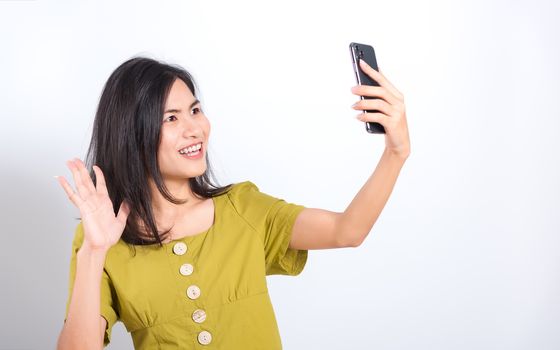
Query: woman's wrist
[(92, 252)]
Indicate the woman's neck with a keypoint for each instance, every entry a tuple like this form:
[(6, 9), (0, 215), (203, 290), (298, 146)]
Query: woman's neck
[(167, 212)]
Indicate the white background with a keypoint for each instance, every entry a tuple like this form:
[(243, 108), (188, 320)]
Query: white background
[(465, 253)]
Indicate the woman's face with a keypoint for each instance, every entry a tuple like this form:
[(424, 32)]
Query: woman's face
[(183, 124)]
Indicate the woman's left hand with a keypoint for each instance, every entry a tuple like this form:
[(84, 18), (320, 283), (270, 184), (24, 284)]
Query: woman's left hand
[(390, 103)]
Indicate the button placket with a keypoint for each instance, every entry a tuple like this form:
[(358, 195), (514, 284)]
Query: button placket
[(193, 292)]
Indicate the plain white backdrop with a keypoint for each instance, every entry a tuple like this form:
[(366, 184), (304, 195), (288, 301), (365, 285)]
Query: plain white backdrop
[(465, 253)]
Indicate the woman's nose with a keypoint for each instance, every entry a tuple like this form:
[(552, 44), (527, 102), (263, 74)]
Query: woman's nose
[(191, 127)]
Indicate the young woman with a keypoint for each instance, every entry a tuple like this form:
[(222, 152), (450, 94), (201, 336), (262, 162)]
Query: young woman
[(180, 261)]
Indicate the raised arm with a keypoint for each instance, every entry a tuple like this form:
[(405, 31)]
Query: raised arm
[(322, 229), (84, 327)]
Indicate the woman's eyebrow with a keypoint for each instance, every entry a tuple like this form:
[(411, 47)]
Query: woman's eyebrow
[(196, 101)]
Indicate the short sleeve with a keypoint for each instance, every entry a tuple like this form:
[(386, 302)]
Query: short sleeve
[(273, 218), (107, 291)]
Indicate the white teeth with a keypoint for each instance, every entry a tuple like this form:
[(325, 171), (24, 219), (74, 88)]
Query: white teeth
[(194, 148), (191, 149)]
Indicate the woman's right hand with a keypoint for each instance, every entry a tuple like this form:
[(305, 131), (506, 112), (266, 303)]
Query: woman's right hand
[(102, 229)]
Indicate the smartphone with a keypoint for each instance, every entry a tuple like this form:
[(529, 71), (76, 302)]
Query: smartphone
[(366, 53)]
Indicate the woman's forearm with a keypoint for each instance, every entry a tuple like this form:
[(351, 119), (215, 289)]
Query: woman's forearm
[(82, 327), (360, 215)]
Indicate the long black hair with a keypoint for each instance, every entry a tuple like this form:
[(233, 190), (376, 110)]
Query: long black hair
[(125, 141)]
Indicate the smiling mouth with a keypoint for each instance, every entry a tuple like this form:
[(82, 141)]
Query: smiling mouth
[(197, 148), (196, 154)]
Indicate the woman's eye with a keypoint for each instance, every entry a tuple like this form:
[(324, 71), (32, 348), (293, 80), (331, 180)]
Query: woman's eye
[(196, 110)]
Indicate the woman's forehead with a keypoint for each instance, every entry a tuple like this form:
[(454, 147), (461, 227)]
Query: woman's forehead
[(180, 96)]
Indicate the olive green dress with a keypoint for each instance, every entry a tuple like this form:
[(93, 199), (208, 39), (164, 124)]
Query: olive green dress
[(206, 291)]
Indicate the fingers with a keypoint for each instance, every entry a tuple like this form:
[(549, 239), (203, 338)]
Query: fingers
[(82, 179), (84, 173), (84, 185), (73, 196), (82, 190), (373, 117), (375, 91), (380, 78), (377, 104), (101, 186)]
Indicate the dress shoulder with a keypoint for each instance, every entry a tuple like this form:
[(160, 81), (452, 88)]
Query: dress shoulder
[(272, 218)]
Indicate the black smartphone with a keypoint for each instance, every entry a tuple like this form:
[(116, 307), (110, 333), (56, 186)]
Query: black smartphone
[(366, 53)]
